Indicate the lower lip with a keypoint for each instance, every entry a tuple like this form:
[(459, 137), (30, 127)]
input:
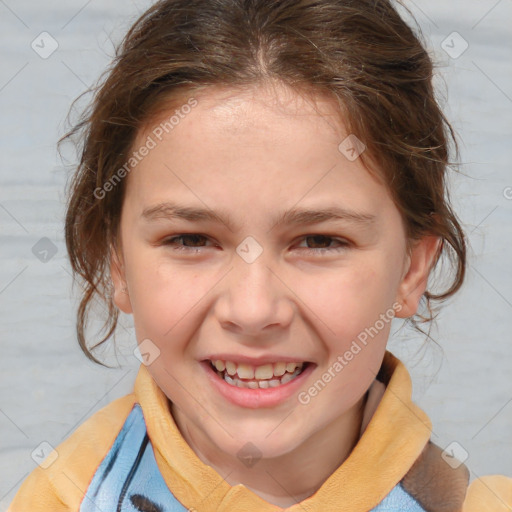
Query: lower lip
[(256, 398)]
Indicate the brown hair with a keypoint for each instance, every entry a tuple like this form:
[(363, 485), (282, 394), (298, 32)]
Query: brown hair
[(360, 52)]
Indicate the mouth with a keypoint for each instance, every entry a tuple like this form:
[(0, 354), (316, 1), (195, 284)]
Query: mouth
[(270, 375)]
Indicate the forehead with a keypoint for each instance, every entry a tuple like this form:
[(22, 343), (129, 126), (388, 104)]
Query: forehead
[(269, 144), (235, 109), (270, 99)]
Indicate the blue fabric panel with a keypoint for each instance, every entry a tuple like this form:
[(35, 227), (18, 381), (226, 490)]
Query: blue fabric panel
[(128, 478), (398, 500)]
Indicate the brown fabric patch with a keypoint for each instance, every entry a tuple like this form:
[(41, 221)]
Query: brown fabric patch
[(388, 366), (434, 483)]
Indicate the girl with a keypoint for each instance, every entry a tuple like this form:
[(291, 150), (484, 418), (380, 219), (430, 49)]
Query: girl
[(262, 186)]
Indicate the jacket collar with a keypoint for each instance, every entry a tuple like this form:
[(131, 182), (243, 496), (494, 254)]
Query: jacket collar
[(394, 434)]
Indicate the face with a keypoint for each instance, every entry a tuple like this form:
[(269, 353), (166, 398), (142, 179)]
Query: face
[(255, 254)]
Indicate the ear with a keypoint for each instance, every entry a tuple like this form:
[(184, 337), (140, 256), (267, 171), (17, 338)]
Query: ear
[(121, 296), (419, 262)]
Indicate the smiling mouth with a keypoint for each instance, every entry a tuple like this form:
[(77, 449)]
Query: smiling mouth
[(257, 377)]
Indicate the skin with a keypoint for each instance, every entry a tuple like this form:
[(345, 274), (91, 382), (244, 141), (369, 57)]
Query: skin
[(254, 153)]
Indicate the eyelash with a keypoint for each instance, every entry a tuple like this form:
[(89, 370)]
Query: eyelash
[(344, 244)]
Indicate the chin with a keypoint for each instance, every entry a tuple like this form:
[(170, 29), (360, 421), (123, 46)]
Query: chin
[(260, 440)]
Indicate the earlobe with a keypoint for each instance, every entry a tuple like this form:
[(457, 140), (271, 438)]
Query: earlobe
[(421, 259), (120, 294)]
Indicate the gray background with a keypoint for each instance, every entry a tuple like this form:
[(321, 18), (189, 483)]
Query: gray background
[(48, 387)]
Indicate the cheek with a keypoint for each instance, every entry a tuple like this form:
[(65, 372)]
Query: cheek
[(155, 293), (166, 298), (355, 312), (350, 299)]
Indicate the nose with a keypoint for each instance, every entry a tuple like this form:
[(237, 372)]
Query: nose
[(254, 301)]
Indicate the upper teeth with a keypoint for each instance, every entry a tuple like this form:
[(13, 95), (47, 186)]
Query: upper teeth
[(263, 372)]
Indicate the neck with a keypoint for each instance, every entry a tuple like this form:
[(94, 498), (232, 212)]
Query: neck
[(289, 478)]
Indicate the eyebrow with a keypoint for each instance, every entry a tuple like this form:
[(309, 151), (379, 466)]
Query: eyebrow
[(294, 216)]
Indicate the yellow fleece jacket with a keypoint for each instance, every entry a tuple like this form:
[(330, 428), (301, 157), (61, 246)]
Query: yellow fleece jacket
[(394, 447)]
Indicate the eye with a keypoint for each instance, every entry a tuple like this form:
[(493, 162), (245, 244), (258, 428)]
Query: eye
[(323, 241), (191, 242), (194, 242)]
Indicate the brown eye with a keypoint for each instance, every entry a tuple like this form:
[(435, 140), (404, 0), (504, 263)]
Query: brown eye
[(318, 244), (319, 240), (192, 240), (187, 242)]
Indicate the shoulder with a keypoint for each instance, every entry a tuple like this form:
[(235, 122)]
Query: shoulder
[(489, 493), (60, 482), (437, 483), (440, 483)]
